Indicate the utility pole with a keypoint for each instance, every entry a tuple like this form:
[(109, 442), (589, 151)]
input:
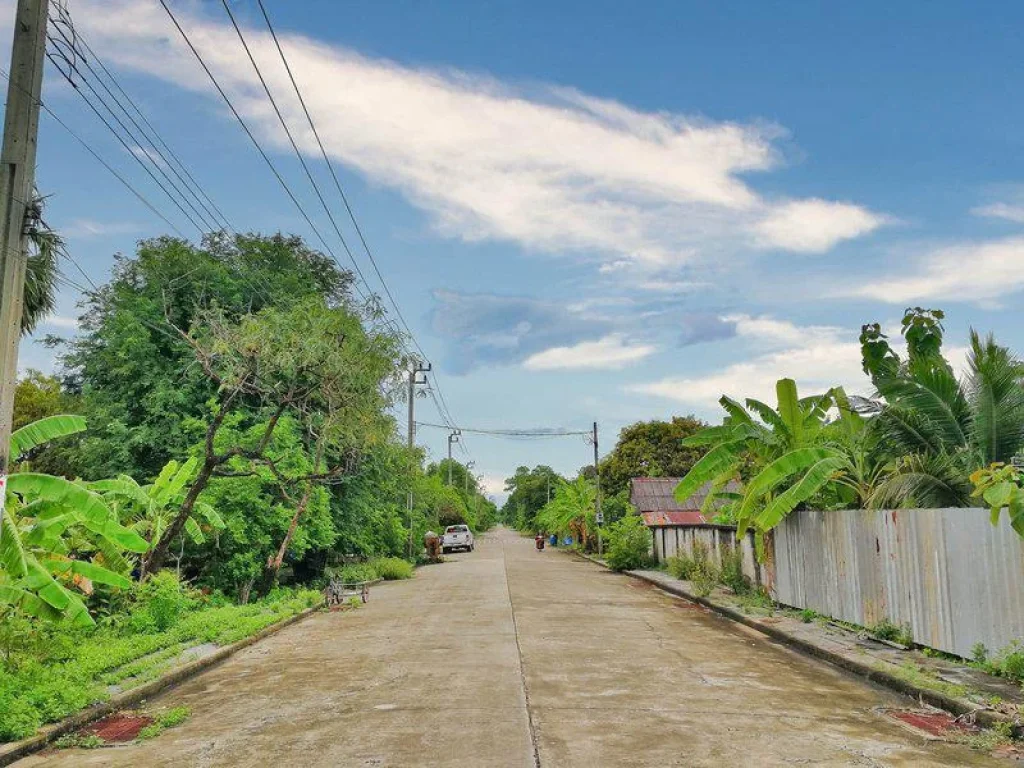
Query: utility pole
[(452, 438), (597, 498), (465, 478), (415, 373), (17, 184)]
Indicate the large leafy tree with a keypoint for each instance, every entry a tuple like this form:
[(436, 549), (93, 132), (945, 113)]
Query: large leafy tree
[(935, 428), (138, 380), (650, 449), (529, 490), (571, 510)]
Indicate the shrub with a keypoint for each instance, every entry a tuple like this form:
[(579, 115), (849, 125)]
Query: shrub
[(732, 572), (628, 544), (18, 718), (679, 566), (1009, 662), (160, 601), (392, 568), (704, 576), (353, 573)]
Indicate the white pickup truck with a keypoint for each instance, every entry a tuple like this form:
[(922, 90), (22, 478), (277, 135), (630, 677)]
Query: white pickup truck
[(457, 537)]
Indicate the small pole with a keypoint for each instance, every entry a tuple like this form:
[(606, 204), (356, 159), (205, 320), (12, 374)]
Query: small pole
[(17, 184), (452, 438)]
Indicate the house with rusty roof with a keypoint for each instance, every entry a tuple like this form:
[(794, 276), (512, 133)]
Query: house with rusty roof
[(654, 498)]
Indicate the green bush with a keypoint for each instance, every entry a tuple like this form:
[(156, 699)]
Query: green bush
[(629, 544), (392, 568), (679, 566), (160, 601), (18, 718), (704, 576), (732, 572), (1009, 663), (353, 573)]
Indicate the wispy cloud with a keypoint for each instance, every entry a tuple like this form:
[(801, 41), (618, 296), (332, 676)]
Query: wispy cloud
[(612, 352), (549, 168), (60, 321), (92, 228), (967, 272), (1008, 211), (818, 357)]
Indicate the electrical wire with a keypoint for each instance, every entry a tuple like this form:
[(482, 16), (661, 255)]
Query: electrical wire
[(525, 433)]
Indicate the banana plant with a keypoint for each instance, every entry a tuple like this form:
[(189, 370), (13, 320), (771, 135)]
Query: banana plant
[(149, 509), (50, 526), (790, 448)]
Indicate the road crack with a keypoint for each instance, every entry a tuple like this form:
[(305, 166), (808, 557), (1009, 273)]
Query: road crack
[(522, 669)]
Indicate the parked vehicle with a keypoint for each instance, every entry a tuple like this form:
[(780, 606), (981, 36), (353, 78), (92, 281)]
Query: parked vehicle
[(457, 537)]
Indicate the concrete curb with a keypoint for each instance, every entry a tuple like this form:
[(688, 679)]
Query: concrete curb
[(9, 753), (951, 704)]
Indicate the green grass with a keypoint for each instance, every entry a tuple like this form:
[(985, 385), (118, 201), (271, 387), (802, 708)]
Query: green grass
[(391, 568), (915, 675), (169, 719), (71, 669)]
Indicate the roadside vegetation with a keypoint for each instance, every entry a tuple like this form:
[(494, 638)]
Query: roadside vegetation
[(218, 438)]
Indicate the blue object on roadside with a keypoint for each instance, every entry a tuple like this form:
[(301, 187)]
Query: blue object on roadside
[(554, 539), (567, 541)]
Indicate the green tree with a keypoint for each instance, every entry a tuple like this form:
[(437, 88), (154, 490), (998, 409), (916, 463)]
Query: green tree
[(650, 449), (935, 429), (529, 490)]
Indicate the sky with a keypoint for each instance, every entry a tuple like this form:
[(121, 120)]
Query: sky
[(592, 211)]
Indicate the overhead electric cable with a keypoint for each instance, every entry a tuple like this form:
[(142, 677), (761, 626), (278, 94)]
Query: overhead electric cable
[(113, 172)]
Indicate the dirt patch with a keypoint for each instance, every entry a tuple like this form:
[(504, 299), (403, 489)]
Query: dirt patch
[(119, 728), (936, 724)]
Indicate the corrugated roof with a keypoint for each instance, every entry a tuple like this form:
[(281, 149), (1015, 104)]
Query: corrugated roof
[(661, 519), (657, 494)]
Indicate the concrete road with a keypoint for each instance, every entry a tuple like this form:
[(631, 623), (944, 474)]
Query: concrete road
[(511, 657)]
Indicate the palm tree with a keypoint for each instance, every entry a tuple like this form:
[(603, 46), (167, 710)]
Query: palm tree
[(41, 270), (937, 429)]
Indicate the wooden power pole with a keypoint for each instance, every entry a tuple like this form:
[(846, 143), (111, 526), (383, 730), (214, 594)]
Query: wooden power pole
[(17, 185)]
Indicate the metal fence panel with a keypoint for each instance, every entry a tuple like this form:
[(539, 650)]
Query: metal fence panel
[(953, 577)]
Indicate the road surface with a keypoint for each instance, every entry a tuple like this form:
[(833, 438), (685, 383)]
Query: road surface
[(511, 657)]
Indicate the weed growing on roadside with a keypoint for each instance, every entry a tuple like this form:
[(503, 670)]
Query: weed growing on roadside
[(894, 633), (679, 566), (732, 572), (169, 719), (915, 675), (79, 741), (392, 568), (979, 653), (989, 739), (807, 615)]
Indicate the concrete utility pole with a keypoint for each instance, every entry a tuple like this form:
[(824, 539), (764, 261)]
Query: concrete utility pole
[(597, 497), (17, 184), (452, 438), (415, 373)]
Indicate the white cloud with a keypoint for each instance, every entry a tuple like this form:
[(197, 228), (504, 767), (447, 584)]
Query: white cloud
[(977, 272), (546, 167), (820, 357), (612, 353), (1001, 211), (814, 226), (91, 228)]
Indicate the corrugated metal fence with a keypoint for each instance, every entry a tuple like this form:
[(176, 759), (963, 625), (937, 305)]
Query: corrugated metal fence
[(953, 577)]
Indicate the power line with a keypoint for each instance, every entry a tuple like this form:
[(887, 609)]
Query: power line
[(104, 163), (337, 183), (539, 432)]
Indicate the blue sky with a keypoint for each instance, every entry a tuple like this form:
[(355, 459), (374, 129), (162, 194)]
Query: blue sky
[(597, 211)]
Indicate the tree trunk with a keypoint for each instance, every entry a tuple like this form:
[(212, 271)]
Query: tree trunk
[(274, 563), (155, 559)]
